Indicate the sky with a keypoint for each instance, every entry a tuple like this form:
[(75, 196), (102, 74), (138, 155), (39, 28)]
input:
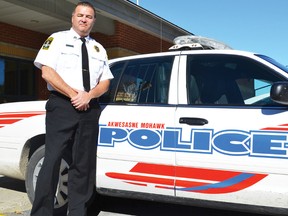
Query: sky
[(259, 26)]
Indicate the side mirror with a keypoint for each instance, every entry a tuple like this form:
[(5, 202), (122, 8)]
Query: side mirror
[(279, 92)]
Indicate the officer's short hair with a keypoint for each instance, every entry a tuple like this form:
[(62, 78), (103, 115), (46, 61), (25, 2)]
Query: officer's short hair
[(86, 4)]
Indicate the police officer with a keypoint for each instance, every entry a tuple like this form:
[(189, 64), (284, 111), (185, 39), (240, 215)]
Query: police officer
[(72, 111)]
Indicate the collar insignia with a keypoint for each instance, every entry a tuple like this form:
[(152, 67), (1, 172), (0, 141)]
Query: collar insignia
[(96, 48)]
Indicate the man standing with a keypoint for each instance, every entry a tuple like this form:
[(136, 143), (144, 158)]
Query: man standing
[(76, 71)]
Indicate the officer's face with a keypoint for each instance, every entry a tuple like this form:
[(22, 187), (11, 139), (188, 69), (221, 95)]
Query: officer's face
[(83, 20)]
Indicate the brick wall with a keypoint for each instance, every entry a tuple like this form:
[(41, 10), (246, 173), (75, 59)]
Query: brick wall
[(22, 37), (132, 39), (125, 37)]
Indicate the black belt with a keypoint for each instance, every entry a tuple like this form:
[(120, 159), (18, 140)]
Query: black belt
[(59, 95)]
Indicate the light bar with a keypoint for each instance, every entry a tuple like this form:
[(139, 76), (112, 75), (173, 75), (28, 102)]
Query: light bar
[(207, 43)]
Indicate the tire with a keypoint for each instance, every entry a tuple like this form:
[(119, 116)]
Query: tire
[(33, 168)]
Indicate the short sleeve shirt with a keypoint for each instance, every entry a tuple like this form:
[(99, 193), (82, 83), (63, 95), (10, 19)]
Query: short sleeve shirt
[(62, 52)]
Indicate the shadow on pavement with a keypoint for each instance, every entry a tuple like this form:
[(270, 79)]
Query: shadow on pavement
[(149, 208), (12, 184)]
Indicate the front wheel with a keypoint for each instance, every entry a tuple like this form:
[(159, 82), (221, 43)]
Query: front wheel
[(33, 169)]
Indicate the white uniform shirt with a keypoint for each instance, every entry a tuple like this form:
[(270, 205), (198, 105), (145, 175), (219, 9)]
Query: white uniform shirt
[(62, 52)]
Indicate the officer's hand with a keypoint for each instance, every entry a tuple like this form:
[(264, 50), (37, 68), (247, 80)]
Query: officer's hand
[(81, 100)]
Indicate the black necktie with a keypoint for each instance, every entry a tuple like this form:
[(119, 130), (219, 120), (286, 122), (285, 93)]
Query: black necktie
[(85, 66)]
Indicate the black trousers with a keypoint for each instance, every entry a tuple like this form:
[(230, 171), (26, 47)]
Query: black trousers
[(63, 124)]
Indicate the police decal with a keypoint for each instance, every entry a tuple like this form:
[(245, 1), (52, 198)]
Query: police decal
[(258, 143)]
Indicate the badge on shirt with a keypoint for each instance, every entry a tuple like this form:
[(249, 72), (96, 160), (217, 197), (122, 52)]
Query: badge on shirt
[(47, 43), (96, 48)]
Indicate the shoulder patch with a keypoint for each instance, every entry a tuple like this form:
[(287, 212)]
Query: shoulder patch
[(47, 43)]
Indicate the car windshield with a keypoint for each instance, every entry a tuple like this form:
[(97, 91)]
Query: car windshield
[(274, 62)]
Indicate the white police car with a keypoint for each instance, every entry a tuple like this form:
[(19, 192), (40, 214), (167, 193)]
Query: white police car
[(196, 127)]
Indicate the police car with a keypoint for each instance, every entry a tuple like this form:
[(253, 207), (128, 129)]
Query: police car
[(202, 124)]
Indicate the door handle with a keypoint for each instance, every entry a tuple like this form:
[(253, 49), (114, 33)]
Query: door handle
[(193, 121)]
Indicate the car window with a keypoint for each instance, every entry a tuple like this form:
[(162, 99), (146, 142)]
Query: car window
[(116, 70), (141, 80), (274, 62), (228, 80)]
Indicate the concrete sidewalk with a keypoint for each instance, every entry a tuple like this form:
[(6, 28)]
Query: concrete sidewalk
[(13, 197)]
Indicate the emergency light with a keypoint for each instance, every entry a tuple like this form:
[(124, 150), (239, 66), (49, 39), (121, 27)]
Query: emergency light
[(190, 42)]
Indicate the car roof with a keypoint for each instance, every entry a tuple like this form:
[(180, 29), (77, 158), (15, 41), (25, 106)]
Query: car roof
[(184, 52)]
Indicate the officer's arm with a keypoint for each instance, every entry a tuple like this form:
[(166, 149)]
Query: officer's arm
[(53, 78), (100, 89)]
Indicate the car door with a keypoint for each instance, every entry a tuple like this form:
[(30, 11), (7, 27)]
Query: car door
[(130, 156), (230, 138)]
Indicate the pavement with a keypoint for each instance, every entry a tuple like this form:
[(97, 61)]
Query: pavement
[(13, 197), (15, 202)]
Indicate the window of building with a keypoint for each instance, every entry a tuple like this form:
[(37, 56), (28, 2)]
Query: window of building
[(17, 80)]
